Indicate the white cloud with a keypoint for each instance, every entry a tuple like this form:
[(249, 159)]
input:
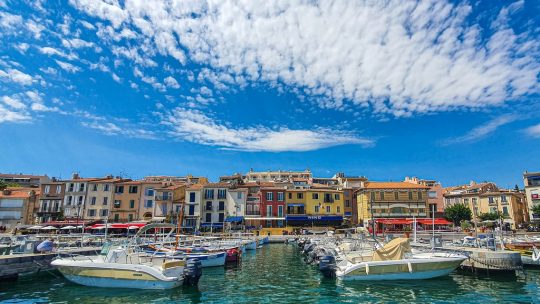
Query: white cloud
[(171, 82), (482, 130), (68, 67), (9, 21), (7, 115), (110, 129), (13, 102), (396, 57), (533, 131), (35, 28), (16, 76), (116, 78), (22, 47), (47, 50), (77, 43), (196, 127)]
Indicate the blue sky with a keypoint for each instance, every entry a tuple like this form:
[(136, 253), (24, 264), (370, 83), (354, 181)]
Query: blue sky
[(435, 89)]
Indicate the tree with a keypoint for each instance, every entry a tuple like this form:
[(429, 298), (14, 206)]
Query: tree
[(490, 216), (536, 209), (516, 188), (457, 213)]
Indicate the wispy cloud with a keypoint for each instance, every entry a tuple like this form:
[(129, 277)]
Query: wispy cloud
[(194, 126), (481, 131), (111, 129), (533, 131), (68, 67), (16, 76), (395, 57)]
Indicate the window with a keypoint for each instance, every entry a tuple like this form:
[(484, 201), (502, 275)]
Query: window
[(290, 195), (222, 193), (56, 206), (71, 187), (338, 209), (133, 189), (119, 189), (70, 200), (192, 197), (116, 217), (381, 195), (209, 217), (239, 195), (91, 212), (105, 201), (474, 201), (419, 195), (149, 192), (191, 210), (221, 217), (106, 187), (300, 195), (208, 206), (315, 195), (396, 195), (410, 195), (58, 189), (280, 196), (466, 201), (316, 209), (117, 203), (81, 187), (372, 196), (328, 198), (505, 211), (269, 210), (47, 189), (432, 194), (336, 196), (221, 205), (347, 203), (94, 187), (93, 200), (269, 196), (44, 206), (503, 199), (327, 209), (103, 212), (280, 211), (148, 203), (131, 203), (130, 217), (80, 200), (209, 193)]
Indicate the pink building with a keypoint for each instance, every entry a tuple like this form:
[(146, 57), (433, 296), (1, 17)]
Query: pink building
[(435, 194)]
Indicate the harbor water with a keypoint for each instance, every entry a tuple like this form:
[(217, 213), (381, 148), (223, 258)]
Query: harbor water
[(277, 274)]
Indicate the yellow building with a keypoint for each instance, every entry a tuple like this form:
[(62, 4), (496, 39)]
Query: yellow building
[(314, 207), (510, 204), (391, 200)]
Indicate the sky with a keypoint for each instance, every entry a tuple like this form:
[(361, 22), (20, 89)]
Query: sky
[(384, 89)]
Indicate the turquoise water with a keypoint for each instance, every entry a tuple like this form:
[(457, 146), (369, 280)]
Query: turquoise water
[(276, 274)]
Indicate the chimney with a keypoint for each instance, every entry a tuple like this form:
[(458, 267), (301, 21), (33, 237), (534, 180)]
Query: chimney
[(75, 175)]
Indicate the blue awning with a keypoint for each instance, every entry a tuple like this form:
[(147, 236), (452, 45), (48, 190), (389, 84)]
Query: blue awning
[(295, 205), (314, 218), (234, 219), (214, 225), (348, 213)]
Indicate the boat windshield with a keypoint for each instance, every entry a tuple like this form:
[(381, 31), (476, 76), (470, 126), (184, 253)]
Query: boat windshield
[(105, 249)]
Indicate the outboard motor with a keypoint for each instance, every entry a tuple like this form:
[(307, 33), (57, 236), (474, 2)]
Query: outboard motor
[(192, 272), (327, 266)]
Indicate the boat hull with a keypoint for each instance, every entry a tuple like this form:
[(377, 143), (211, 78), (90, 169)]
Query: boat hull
[(210, 260), (406, 270), (251, 245)]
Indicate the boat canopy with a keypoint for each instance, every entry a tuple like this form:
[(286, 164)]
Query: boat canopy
[(393, 250)]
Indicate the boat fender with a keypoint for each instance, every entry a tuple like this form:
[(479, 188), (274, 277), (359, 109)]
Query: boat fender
[(535, 255), (192, 272), (410, 266), (327, 266), (367, 269)]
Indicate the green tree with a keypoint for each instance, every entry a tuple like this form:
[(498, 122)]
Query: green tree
[(490, 216), (516, 188), (4, 185), (457, 213), (536, 209)]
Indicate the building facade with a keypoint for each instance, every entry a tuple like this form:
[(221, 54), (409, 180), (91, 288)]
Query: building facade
[(18, 206), (126, 201), (192, 208), (272, 206), (147, 205), (510, 204), (435, 195), (25, 180), (314, 207), (270, 176), (469, 195), (100, 198), (214, 207), (391, 200), (75, 193), (50, 202), (531, 180)]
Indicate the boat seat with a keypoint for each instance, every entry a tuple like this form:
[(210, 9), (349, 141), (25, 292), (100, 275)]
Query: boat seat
[(172, 264)]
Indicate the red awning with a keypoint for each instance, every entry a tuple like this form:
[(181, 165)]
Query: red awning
[(118, 225), (438, 221), (394, 221), (64, 223)]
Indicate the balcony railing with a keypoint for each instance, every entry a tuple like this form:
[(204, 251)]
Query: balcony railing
[(163, 198), (257, 213)]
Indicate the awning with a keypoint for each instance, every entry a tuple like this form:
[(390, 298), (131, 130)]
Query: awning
[(295, 205), (264, 218), (313, 218), (214, 225), (234, 219), (394, 221), (438, 221), (348, 213), (117, 226)]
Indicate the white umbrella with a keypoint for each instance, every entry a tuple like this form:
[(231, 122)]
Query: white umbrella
[(68, 227), (133, 227), (49, 228), (35, 228), (98, 228)]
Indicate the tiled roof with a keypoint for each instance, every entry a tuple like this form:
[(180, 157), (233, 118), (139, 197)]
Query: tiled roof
[(21, 175), (195, 187), (392, 185), (217, 185), (19, 192)]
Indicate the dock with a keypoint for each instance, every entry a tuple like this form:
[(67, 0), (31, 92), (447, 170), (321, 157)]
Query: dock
[(15, 265)]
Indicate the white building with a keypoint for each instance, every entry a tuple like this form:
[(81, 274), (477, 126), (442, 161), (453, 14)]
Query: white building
[(267, 176), (531, 180)]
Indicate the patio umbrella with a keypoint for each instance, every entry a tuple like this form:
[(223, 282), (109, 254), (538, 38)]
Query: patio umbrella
[(98, 228), (35, 228), (49, 228), (68, 227)]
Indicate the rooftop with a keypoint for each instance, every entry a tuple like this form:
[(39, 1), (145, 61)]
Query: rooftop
[(18, 192), (392, 185)]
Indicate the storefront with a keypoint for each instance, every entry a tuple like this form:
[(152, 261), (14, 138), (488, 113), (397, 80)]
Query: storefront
[(314, 220)]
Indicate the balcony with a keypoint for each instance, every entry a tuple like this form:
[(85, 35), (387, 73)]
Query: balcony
[(253, 213), (163, 198)]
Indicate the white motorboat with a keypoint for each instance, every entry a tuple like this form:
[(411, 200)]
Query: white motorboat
[(125, 267), (394, 261)]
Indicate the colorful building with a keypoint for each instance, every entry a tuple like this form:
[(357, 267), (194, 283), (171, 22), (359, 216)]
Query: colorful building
[(510, 204), (531, 180), (100, 198), (469, 195), (391, 200), (314, 207), (214, 201), (50, 201), (18, 206), (272, 206), (126, 201), (75, 193), (435, 195), (147, 206)]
